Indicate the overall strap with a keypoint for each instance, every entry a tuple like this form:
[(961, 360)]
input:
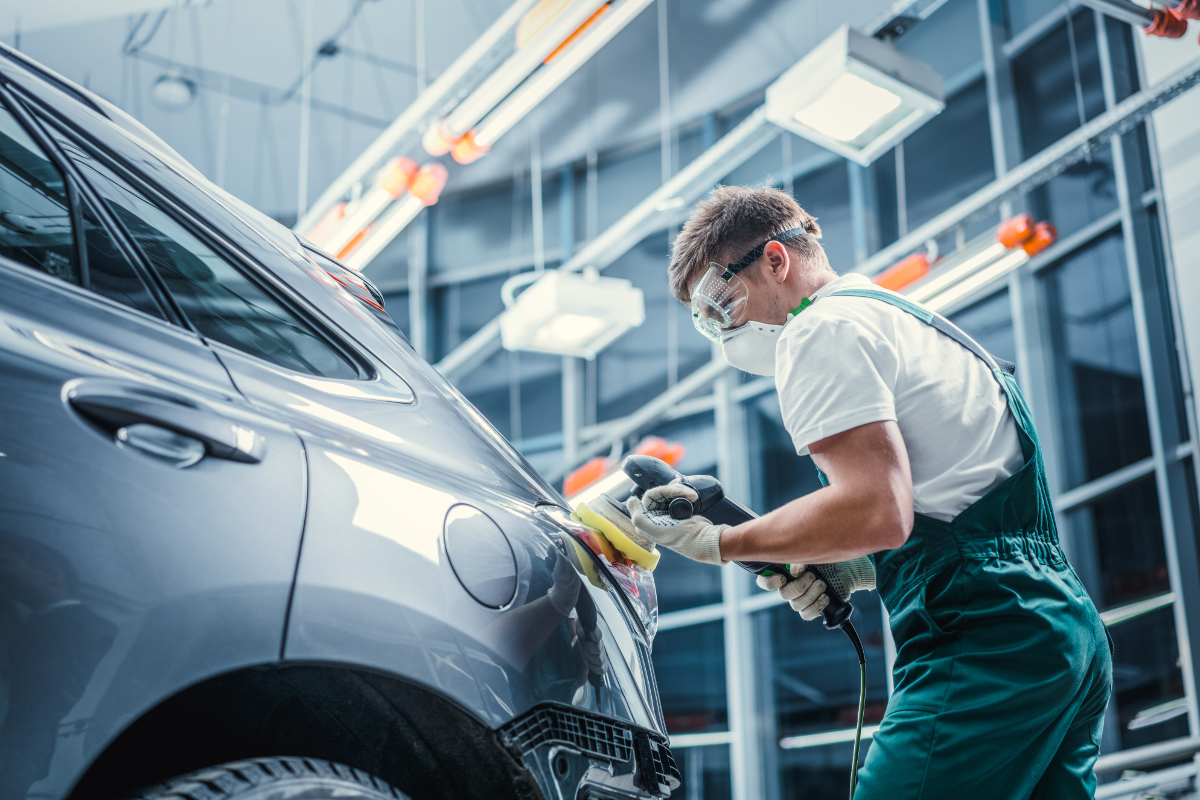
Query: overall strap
[(936, 321)]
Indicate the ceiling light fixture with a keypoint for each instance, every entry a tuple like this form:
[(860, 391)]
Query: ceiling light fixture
[(568, 313), (855, 95), (174, 92)]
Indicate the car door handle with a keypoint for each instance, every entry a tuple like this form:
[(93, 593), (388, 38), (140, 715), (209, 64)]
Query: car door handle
[(116, 408)]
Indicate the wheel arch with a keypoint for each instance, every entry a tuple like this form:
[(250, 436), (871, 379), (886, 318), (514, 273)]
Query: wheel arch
[(410, 736)]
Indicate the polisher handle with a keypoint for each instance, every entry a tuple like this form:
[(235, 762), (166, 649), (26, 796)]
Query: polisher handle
[(648, 472)]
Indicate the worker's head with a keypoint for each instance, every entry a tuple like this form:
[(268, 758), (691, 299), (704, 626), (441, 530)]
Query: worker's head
[(746, 254)]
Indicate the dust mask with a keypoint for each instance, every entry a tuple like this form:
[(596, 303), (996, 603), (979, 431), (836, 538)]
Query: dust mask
[(751, 347)]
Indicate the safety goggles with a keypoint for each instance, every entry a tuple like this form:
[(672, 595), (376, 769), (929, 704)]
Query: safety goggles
[(719, 298)]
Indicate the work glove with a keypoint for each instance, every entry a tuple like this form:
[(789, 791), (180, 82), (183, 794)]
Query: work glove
[(808, 594), (564, 592), (696, 537)]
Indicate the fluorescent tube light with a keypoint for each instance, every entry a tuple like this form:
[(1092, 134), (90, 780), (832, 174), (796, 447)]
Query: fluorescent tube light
[(403, 211), (855, 95), (550, 76), (828, 737)]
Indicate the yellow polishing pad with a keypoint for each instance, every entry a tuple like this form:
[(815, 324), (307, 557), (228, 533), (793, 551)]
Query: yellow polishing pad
[(646, 558), (580, 558)]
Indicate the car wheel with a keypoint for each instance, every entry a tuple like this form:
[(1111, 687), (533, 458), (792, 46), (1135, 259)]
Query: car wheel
[(275, 778)]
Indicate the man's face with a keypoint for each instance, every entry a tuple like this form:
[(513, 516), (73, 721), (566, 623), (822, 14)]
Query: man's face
[(764, 303)]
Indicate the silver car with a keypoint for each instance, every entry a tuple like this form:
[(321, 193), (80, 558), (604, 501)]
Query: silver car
[(251, 545)]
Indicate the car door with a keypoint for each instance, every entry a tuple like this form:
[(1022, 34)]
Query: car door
[(150, 518)]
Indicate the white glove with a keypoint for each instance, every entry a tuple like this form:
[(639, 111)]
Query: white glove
[(591, 646), (696, 538), (808, 594), (565, 589)]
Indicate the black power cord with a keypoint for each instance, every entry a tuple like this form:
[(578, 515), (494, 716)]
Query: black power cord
[(848, 628)]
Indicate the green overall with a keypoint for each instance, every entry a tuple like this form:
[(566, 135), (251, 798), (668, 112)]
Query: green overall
[(1003, 666)]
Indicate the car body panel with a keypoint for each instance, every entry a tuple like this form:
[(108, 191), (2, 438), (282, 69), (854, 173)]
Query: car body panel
[(181, 574)]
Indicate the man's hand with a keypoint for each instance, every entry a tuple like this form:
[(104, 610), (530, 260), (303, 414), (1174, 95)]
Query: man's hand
[(696, 538), (808, 594)]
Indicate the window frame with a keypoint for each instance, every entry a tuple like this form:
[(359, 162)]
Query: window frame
[(77, 192), (195, 223)]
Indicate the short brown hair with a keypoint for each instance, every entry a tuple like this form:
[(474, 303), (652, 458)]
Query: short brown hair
[(732, 221)]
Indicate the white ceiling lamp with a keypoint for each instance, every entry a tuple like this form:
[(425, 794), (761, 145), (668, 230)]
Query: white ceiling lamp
[(174, 92), (569, 314), (855, 95)]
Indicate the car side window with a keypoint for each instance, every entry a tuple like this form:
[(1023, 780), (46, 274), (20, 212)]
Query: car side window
[(221, 302), (35, 215), (37, 229)]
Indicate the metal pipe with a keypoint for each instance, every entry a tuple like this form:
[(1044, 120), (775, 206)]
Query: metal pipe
[(1124, 10)]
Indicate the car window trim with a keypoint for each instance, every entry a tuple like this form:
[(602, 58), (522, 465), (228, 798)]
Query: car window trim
[(195, 224), (77, 191)]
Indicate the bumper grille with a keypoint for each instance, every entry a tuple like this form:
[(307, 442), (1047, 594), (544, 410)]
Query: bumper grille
[(598, 737), (592, 735)]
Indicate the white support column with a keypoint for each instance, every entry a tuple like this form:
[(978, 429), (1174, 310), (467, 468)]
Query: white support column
[(746, 762), (572, 408), (418, 284)]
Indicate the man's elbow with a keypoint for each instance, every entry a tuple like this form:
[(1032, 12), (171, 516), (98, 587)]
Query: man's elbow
[(893, 524)]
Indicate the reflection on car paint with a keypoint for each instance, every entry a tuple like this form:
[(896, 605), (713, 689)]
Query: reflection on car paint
[(50, 644)]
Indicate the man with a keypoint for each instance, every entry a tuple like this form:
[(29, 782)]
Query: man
[(932, 468)]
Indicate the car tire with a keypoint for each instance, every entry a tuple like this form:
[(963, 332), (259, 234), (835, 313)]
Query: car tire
[(274, 778)]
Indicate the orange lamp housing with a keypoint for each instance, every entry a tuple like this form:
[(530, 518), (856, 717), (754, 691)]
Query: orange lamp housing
[(396, 175), (1015, 231), (670, 452), (910, 270), (1044, 235), (467, 150), (1188, 9), (585, 476), (1166, 24), (428, 182)]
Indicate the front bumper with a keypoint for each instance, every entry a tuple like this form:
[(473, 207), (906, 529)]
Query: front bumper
[(576, 755)]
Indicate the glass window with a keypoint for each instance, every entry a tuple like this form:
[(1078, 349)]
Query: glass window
[(826, 195), (36, 226), (1020, 14), (810, 679), (221, 302), (989, 322), (1117, 545), (35, 217), (705, 773), (1097, 368), (1081, 194), (814, 672), (684, 583), (690, 666), (950, 157), (1044, 78), (1148, 693), (783, 475), (109, 272), (1124, 62)]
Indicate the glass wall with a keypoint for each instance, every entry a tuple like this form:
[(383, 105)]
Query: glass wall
[(1079, 321)]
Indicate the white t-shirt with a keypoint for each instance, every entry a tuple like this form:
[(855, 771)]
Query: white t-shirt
[(849, 361)]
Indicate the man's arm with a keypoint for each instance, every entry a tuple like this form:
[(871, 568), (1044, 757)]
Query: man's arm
[(867, 507)]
